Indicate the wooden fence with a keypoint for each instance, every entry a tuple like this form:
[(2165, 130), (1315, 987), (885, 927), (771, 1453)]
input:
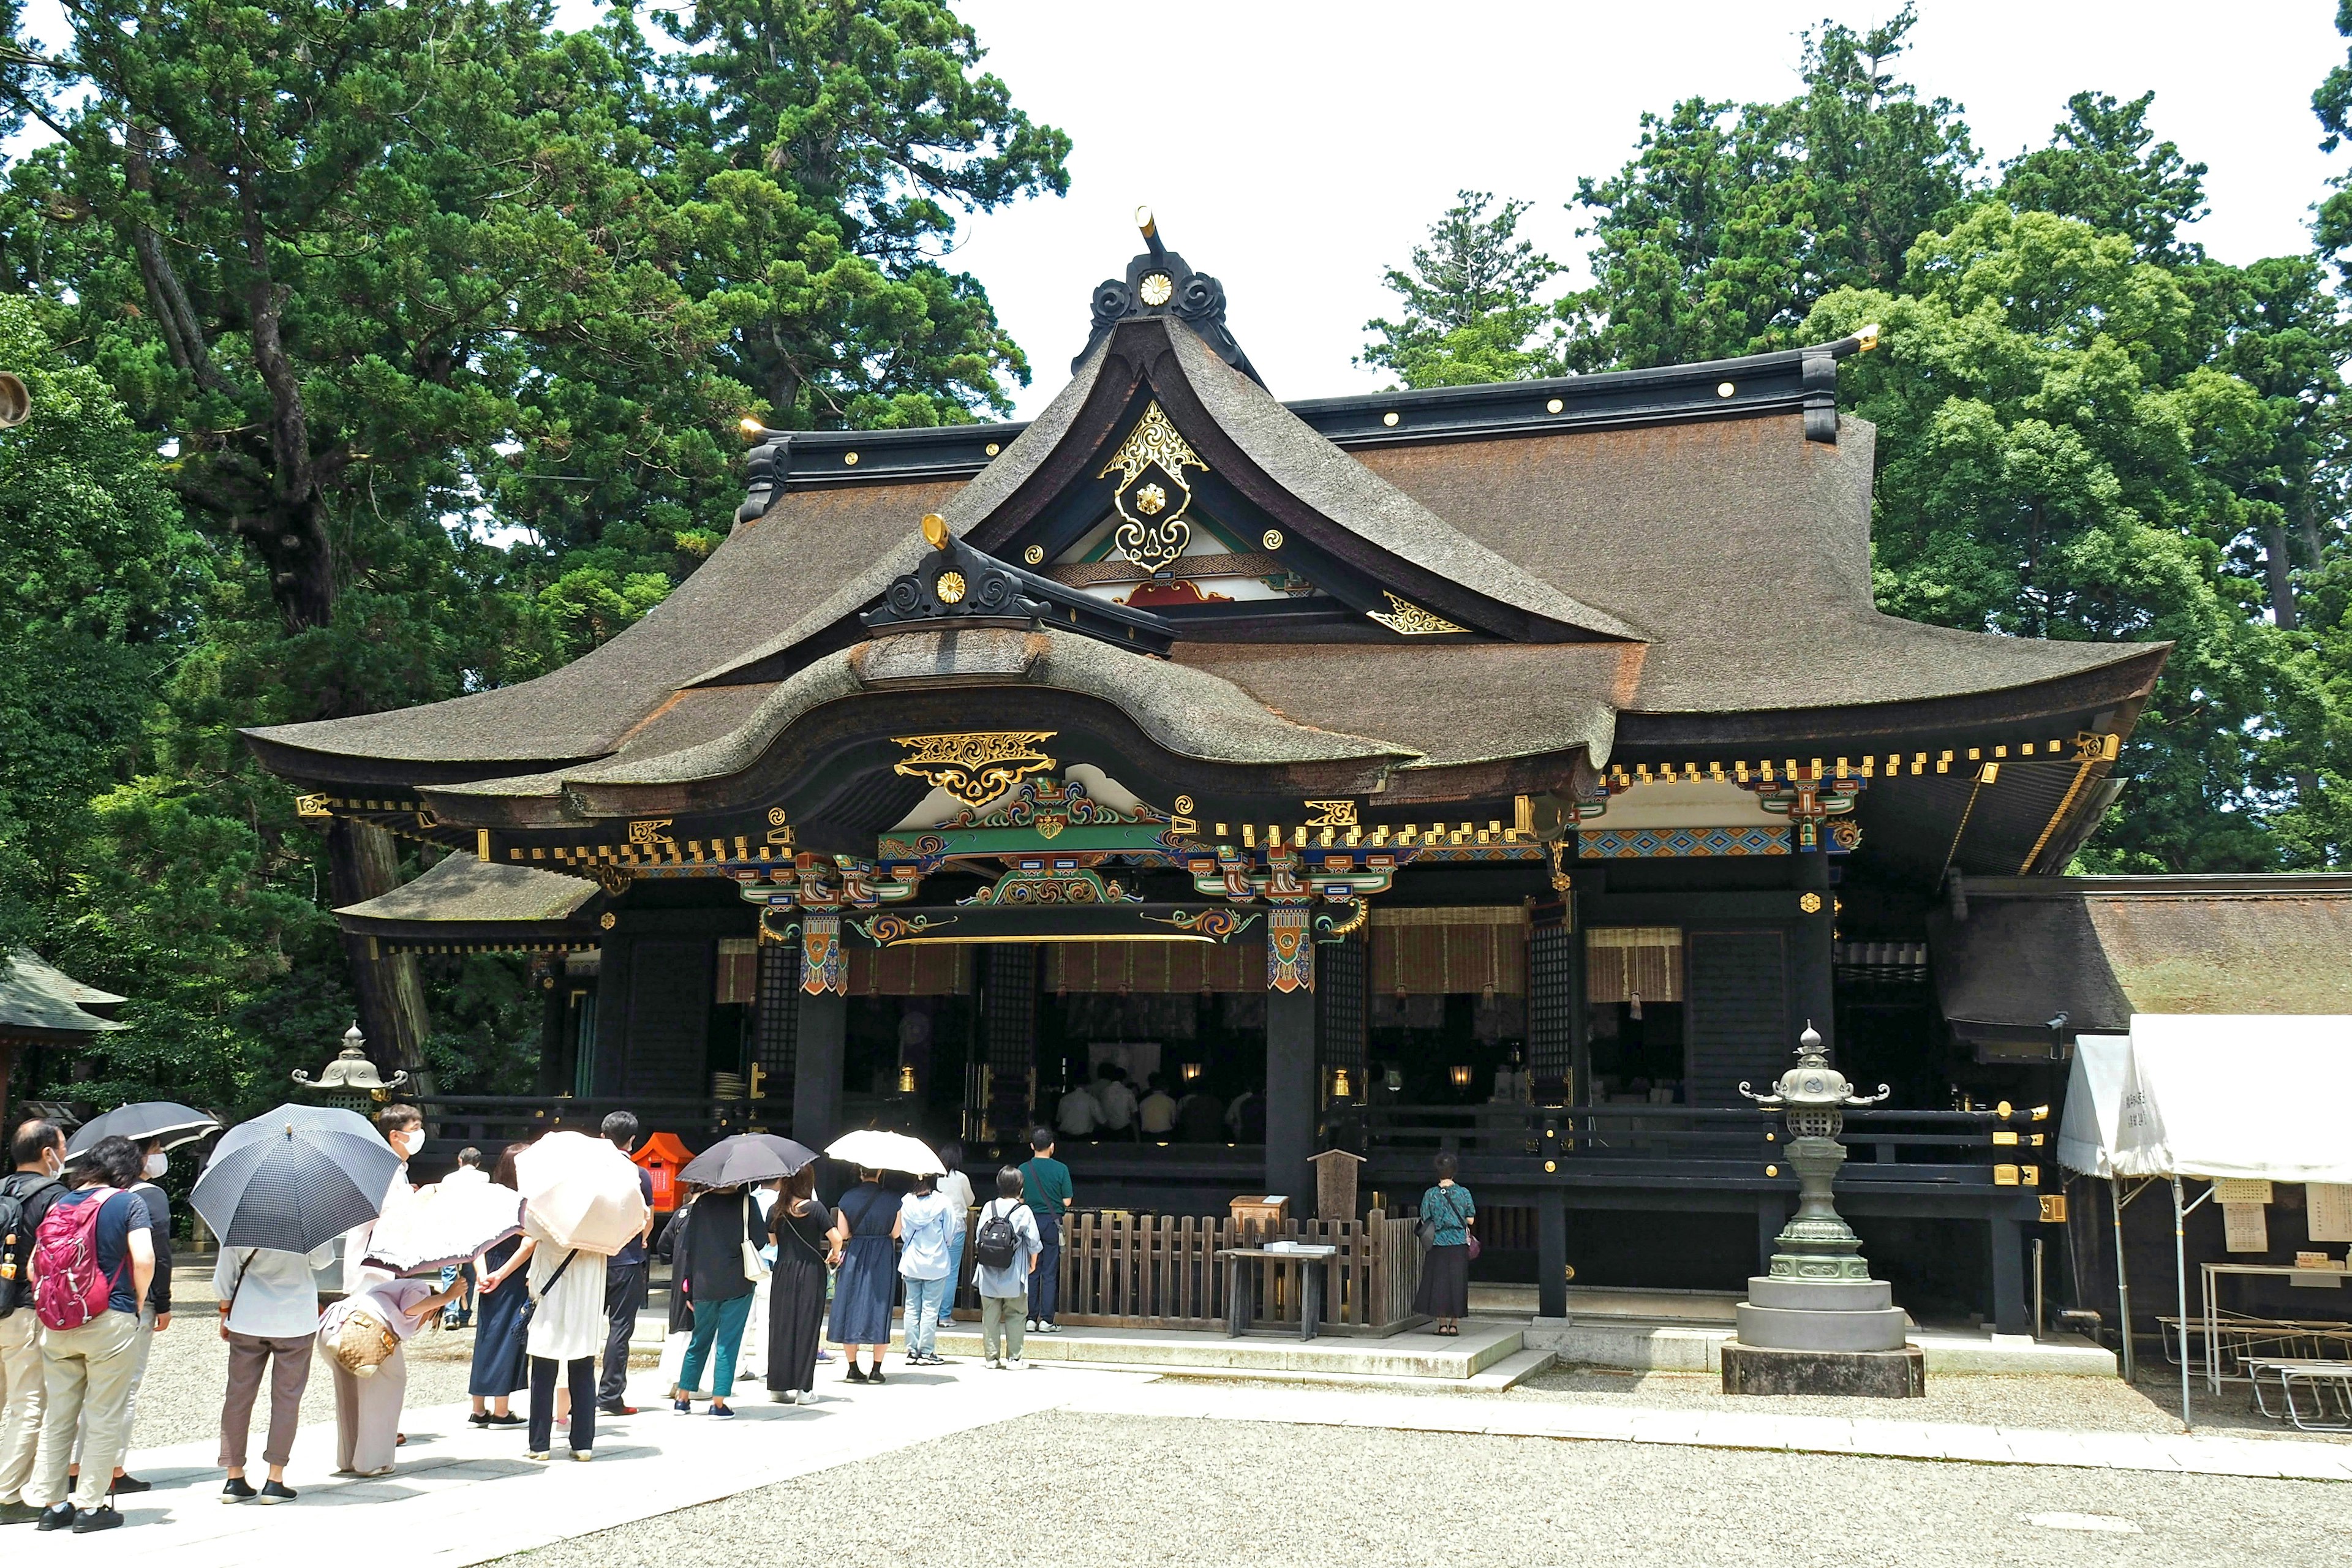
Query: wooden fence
[(1162, 1271)]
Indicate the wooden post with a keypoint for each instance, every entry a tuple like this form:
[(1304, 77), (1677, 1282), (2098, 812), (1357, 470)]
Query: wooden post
[(823, 1031), (1290, 1094), (1551, 1254)]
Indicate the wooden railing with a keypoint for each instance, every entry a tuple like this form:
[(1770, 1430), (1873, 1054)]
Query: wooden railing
[(1950, 1146), (1162, 1271)]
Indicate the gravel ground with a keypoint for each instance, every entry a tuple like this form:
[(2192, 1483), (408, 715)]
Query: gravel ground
[(1104, 1492), (180, 1400)]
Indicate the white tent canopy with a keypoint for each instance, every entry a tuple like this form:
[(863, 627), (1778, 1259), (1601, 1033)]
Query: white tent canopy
[(2213, 1095)]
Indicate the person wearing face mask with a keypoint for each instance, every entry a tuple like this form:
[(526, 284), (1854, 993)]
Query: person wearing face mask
[(38, 1151), (156, 1311), (402, 1126)]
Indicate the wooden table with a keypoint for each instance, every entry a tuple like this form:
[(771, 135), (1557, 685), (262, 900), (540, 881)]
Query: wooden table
[(1239, 1295), (2212, 1276)]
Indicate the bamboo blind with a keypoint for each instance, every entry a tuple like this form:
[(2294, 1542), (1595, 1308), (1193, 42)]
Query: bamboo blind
[(1477, 949), (1623, 961)]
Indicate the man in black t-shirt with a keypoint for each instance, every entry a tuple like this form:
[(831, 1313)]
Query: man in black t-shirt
[(38, 1152)]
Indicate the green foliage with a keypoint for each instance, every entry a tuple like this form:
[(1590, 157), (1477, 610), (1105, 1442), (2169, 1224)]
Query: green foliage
[(2100, 168), (442, 322), (1473, 302), (2087, 429), (1730, 223)]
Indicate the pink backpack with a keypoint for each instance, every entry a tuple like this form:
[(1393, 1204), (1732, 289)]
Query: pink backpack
[(69, 1289)]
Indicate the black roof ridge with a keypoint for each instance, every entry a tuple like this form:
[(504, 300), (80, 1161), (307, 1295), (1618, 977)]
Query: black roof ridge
[(2272, 884), (1784, 381)]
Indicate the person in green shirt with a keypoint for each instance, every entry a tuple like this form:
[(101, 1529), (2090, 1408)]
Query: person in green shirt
[(1045, 1187)]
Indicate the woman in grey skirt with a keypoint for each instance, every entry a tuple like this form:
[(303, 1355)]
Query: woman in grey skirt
[(1450, 1211)]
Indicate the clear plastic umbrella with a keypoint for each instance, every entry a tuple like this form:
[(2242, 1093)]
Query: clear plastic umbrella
[(581, 1192), (880, 1150)]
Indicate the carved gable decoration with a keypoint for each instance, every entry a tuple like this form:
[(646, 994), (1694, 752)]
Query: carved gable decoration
[(1152, 496)]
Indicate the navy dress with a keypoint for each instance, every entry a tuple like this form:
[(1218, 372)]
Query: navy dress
[(499, 1330), (862, 1291)]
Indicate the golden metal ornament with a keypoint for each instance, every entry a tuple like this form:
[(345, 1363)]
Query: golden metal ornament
[(1332, 812), (951, 587), (935, 530), (1811, 903), (1033, 554), (975, 768), (646, 833), (1158, 288), (1154, 443), (1272, 539), (311, 805), (1408, 619)]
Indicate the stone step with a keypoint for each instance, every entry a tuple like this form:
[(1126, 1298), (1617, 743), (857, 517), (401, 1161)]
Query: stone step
[(1410, 1356)]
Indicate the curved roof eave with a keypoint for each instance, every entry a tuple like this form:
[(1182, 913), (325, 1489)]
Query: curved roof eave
[(1190, 712)]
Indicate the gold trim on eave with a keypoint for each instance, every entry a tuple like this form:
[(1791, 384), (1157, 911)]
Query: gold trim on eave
[(975, 768), (1410, 620)]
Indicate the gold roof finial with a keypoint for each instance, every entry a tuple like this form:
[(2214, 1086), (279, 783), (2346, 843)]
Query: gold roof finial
[(935, 530), (1143, 221), (1867, 337)]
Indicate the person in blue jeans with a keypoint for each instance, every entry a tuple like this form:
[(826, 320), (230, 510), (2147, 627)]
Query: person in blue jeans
[(927, 1219), (1046, 1184), (956, 1187), (712, 1272)]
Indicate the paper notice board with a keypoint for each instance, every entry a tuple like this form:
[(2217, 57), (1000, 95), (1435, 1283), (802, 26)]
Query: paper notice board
[(2328, 1211), (2246, 1228)]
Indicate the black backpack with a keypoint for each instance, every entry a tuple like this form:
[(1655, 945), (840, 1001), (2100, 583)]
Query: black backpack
[(17, 1235), (996, 1244)]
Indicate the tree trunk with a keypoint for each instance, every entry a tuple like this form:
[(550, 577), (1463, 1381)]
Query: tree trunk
[(2277, 564), (363, 861)]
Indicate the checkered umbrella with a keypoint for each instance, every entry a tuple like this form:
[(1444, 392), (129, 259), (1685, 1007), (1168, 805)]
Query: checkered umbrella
[(295, 1179)]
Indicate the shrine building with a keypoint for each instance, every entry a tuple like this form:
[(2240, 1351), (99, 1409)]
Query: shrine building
[(1516, 769)]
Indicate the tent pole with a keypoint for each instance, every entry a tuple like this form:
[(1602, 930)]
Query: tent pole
[(2181, 1275), (2123, 1280)]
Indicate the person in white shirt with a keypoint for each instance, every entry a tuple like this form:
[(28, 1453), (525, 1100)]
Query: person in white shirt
[(956, 1187), (269, 1314), (1117, 1101), (1079, 1113), (567, 1333)]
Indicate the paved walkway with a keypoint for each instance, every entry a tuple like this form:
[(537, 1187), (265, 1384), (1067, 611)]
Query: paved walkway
[(463, 1495)]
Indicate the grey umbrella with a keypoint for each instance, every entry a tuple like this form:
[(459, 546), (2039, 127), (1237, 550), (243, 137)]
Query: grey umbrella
[(174, 1124), (295, 1179), (747, 1157)]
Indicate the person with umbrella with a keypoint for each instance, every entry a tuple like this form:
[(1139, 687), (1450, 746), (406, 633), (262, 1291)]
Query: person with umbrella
[(864, 1241), (718, 1261), (157, 1127), (292, 1180), (583, 1203), (268, 1303)]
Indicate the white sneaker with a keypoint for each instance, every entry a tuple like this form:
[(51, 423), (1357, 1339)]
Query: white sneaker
[(1049, 1328), (1033, 1325), (1016, 1364), (994, 1362)]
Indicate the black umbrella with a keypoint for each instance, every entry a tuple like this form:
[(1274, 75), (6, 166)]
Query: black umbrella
[(745, 1158), (295, 1179), (174, 1124)]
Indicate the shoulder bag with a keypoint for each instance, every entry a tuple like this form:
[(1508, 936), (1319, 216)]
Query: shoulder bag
[(755, 1268)]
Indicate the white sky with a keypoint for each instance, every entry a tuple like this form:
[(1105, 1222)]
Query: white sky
[(1293, 148)]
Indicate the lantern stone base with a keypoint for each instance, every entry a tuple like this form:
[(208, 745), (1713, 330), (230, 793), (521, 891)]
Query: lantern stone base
[(1865, 1374)]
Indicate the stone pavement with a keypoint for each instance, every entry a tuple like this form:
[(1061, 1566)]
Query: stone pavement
[(463, 1495)]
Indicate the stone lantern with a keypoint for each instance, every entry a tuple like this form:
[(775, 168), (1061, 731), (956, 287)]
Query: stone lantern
[(352, 1073), (1816, 1322)]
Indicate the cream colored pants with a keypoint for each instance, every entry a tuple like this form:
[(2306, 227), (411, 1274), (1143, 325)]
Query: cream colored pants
[(88, 1371), (23, 1394), (367, 1412)]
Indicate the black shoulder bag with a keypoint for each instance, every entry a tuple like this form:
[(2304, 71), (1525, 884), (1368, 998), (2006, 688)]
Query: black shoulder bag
[(530, 1299)]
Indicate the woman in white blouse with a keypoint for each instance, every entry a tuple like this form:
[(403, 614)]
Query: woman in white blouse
[(568, 1328)]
